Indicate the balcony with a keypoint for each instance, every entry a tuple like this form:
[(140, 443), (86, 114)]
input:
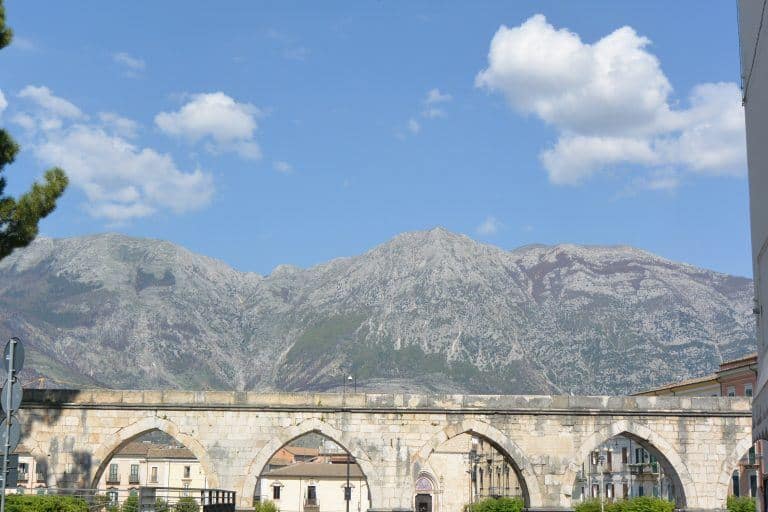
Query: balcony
[(23, 476), (40, 478), (644, 468), (133, 480), (113, 480)]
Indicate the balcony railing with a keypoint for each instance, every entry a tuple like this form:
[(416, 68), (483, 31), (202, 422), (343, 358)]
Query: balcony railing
[(644, 468), (133, 479), (23, 476), (40, 478), (113, 480)]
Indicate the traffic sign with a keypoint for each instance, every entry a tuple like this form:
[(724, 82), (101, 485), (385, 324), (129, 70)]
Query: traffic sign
[(16, 393), (15, 434), (18, 355)]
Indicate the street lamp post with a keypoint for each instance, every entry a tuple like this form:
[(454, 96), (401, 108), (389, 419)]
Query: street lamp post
[(601, 461)]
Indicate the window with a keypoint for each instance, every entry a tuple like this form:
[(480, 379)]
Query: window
[(735, 482), (609, 491), (624, 455), (20, 490), (153, 475), (187, 470), (41, 491), (753, 485), (134, 478), (113, 473), (275, 492), (594, 458), (185, 492), (751, 455), (112, 496), (731, 391), (624, 491), (595, 491), (311, 495), (748, 389), (23, 471), (640, 490)]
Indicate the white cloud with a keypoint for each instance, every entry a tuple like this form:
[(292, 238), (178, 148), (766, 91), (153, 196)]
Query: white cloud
[(120, 180), (609, 102), (3, 102), (283, 167), (430, 110), (53, 107), (226, 125), (131, 63), (435, 96), (490, 226), (119, 125)]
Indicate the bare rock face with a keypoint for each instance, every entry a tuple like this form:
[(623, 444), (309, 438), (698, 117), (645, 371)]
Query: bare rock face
[(426, 311)]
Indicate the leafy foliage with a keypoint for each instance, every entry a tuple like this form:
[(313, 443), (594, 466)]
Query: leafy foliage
[(186, 505), (131, 504), (497, 505), (636, 504), (265, 506), (49, 503), (741, 504), (19, 217)]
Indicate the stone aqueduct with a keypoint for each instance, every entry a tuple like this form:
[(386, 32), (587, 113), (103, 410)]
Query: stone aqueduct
[(234, 434)]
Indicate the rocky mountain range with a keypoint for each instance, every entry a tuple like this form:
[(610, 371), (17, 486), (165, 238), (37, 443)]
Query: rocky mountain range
[(425, 311)]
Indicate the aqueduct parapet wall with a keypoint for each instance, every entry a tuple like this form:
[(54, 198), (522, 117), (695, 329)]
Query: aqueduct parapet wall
[(234, 434)]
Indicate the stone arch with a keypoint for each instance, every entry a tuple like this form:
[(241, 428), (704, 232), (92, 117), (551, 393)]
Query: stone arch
[(648, 439), (730, 463), (114, 442), (523, 467), (348, 442)]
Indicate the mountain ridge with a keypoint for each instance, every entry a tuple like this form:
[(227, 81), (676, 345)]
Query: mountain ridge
[(427, 310)]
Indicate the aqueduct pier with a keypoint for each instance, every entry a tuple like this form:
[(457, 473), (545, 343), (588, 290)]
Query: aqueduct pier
[(234, 434)]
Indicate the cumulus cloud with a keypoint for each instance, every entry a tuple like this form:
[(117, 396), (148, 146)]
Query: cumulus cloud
[(120, 180), (223, 123), (413, 126), (490, 226), (51, 105), (610, 103), (132, 65)]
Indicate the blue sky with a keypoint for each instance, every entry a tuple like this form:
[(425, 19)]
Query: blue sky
[(287, 132)]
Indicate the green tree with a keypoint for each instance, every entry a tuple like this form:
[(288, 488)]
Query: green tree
[(265, 506), (131, 504), (740, 504), (497, 505), (187, 505), (19, 217)]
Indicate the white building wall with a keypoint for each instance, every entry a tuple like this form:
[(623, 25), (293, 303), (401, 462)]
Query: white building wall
[(754, 68), (330, 493)]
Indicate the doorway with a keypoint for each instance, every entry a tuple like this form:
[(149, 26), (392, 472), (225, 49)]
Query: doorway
[(423, 503)]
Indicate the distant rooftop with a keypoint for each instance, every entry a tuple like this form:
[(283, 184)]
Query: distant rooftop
[(316, 470)]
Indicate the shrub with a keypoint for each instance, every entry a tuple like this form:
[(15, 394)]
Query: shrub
[(740, 504), (636, 504), (131, 504), (497, 505), (161, 505), (265, 506), (49, 503), (186, 505)]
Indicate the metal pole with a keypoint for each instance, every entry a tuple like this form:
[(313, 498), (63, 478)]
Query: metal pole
[(9, 368), (347, 491)]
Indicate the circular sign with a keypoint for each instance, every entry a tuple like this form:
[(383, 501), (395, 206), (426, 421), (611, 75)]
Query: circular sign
[(18, 354), (15, 395), (15, 433)]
